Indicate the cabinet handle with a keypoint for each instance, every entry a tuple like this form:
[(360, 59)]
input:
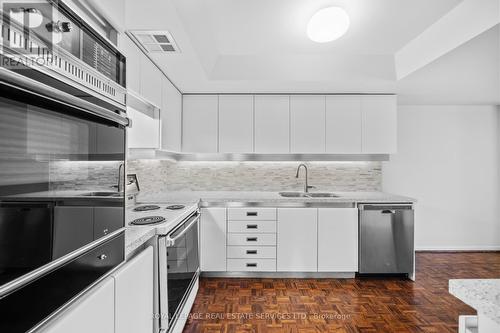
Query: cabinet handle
[(251, 265), (251, 213), (102, 257), (251, 251), (251, 239), (252, 226)]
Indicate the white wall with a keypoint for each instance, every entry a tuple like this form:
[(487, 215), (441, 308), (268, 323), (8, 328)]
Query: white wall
[(448, 158)]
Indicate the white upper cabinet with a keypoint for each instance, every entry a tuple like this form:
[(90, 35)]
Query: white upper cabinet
[(343, 124), (134, 294), (307, 122), (133, 69), (200, 123), (94, 312), (145, 130), (150, 81), (297, 245), (235, 124), (337, 240), (171, 117), (272, 124), (379, 124)]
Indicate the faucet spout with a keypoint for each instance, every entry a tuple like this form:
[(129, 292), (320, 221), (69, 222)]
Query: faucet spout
[(306, 183)]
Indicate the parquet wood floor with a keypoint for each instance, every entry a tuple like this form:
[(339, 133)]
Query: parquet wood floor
[(342, 305)]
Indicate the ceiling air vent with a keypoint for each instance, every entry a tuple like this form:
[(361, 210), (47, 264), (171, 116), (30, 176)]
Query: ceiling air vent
[(155, 41)]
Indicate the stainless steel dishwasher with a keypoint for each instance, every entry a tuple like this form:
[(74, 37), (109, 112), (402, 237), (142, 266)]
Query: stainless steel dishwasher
[(386, 239)]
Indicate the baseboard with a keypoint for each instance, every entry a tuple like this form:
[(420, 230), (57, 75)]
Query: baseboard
[(458, 249)]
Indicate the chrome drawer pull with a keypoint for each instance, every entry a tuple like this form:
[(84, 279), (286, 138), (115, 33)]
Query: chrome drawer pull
[(252, 226), (251, 239), (251, 251), (251, 213), (251, 265)]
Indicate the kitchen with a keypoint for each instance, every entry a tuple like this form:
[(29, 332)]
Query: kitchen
[(189, 166)]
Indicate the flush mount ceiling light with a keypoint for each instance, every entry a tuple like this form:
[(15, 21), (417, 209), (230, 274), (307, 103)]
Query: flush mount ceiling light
[(328, 24)]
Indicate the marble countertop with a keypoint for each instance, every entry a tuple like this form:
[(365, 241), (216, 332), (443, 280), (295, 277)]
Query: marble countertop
[(481, 294), (272, 197), (136, 236)]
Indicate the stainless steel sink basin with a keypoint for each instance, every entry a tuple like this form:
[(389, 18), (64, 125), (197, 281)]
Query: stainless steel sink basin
[(102, 194), (323, 195), (293, 194), (308, 195)]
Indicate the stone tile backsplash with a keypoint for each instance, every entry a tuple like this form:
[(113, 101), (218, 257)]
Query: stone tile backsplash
[(162, 175)]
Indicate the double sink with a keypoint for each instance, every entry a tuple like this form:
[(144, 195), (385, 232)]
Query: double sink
[(308, 195)]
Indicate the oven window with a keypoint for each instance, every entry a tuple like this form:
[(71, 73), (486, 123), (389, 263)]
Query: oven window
[(47, 149), (182, 267)]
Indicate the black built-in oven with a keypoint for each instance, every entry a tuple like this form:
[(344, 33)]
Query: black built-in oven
[(61, 209)]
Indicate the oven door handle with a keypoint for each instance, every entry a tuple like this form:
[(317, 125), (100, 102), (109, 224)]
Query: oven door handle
[(171, 241)]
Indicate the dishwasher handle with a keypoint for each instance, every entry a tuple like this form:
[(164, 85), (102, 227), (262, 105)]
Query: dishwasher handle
[(386, 208)]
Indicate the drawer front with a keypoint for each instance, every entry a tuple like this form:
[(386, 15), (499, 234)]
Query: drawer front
[(251, 226), (251, 252), (251, 214), (251, 239), (251, 265)]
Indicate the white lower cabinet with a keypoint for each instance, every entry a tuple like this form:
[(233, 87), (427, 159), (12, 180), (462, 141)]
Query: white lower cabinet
[(213, 239), (94, 312), (337, 239), (134, 294), (279, 240), (297, 249)]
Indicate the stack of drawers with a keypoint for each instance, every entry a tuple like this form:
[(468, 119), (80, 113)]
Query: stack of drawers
[(251, 239)]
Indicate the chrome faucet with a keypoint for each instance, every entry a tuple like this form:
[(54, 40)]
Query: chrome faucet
[(306, 185)]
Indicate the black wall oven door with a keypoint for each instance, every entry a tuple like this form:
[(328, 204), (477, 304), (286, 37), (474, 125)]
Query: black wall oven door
[(61, 211)]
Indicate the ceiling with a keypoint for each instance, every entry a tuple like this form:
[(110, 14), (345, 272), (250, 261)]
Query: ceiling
[(261, 46)]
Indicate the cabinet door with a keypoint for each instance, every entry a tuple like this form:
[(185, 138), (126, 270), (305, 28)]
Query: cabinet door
[(297, 240), (200, 123), (337, 240), (171, 117), (307, 124), (379, 124), (343, 124), (145, 130), (94, 312), (272, 124), (133, 55), (235, 124), (213, 239), (150, 81), (134, 294)]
